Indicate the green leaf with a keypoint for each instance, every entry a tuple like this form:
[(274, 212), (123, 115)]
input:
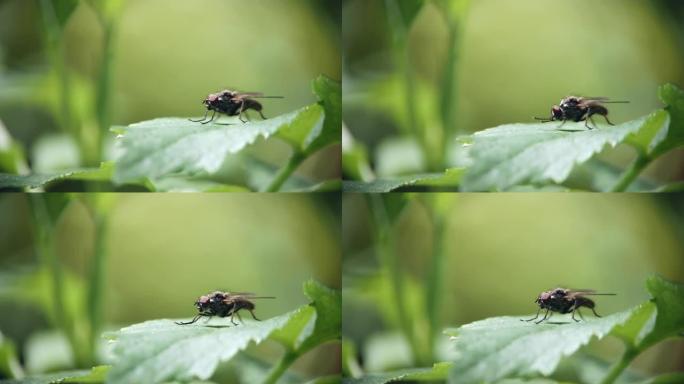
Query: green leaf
[(328, 304), (673, 97), (501, 347), (189, 184), (96, 375), (329, 93), (669, 300), (449, 179), (104, 173), (514, 154), (438, 372), (409, 10), (161, 350), (63, 10), (667, 378), (156, 148), (9, 363)]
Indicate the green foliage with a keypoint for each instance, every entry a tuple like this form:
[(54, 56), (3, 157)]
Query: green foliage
[(508, 350), (160, 350), (437, 372), (517, 154), (448, 179), (538, 156), (502, 347)]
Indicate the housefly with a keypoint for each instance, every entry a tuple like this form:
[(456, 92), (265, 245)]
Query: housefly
[(224, 304), (575, 108), (232, 103), (564, 300)]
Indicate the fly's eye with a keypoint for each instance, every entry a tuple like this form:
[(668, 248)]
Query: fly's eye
[(559, 292)]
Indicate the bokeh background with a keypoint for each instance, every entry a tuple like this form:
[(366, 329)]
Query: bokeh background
[(160, 253), (471, 65), (458, 258), (165, 57)]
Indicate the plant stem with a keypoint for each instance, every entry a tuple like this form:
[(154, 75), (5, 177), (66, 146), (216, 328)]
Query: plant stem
[(384, 242), (57, 59), (434, 279), (403, 57), (627, 357), (284, 173), (282, 366), (45, 249), (631, 173), (104, 85), (95, 299)]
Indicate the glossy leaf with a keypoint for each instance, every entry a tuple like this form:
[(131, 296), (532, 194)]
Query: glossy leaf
[(673, 97), (438, 372)]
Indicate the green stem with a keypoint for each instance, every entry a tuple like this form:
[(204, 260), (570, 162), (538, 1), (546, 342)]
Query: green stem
[(45, 250), (403, 57), (282, 366), (384, 247), (632, 173), (434, 280), (55, 50), (616, 370), (104, 85), (95, 299), (284, 173)]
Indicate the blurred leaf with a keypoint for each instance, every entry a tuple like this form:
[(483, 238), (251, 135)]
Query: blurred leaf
[(500, 347), (12, 159), (448, 179), (669, 321), (47, 351), (97, 374), (107, 10), (673, 97), (9, 362), (386, 351), (160, 350), (160, 147), (104, 173), (667, 378), (355, 158), (651, 135), (323, 186), (438, 372), (513, 154), (674, 187), (63, 10), (189, 184), (350, 364), (332, 379), (398, 156)]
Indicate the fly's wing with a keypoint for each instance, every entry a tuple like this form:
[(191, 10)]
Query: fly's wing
[(602, 100), (587, 292), (236, 296)]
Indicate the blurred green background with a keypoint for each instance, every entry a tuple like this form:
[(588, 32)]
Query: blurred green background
[(166, 56), (161, 252), (471, 65), (451, 259)]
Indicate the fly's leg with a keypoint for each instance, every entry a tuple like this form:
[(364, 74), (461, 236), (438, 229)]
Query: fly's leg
[(242, 109), (252, 312), (194, 319), (595, 314), (544, 318), (607, 121), (561, 124), (536, 316), (205, 116), (210, 120), (239, 317), (262, 115), (231, 318)]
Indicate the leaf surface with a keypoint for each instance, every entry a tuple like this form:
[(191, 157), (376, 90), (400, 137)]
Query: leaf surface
[(501, 347), (513, 154), (161, 350), (450, 178)]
